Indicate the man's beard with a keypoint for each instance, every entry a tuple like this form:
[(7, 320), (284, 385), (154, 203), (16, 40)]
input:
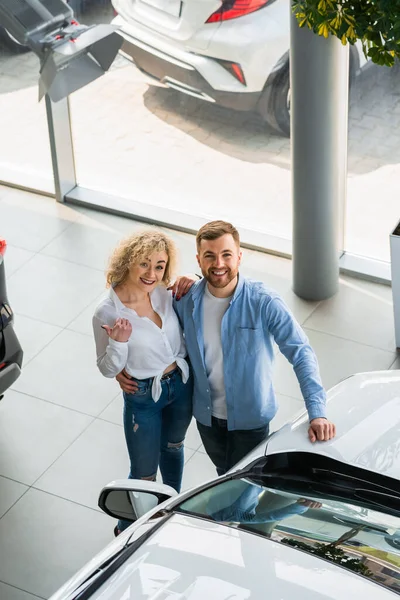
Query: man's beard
[(220, 282)]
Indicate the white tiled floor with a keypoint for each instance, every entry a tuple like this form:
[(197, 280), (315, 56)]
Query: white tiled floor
[(61, 434)]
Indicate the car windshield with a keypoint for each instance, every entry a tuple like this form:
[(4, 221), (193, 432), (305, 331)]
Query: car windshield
[(318, 518)]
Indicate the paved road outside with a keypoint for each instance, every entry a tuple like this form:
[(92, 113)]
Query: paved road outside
[(153, 144)]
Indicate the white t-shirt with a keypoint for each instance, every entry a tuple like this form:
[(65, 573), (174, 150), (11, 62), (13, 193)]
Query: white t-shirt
[(213, 310), (150, 349)]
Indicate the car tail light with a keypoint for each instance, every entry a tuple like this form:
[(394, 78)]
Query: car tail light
[(2, 365), (3, 246), (232, 9), (234, 69)]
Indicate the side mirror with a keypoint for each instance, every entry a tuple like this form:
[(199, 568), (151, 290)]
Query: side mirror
[(130, 499)]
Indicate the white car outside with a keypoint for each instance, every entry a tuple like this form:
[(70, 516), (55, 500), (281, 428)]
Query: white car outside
[(230, 52), (293, 520)]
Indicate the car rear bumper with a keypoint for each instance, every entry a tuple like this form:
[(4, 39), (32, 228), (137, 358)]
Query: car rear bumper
[(183, 76)]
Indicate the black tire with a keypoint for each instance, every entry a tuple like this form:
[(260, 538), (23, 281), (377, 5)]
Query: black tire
[(393, 541), (274, 104), (281, 100), (11, 43)]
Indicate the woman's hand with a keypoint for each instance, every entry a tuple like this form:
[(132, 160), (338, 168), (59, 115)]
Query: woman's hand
[(182, 285), (121, 330)]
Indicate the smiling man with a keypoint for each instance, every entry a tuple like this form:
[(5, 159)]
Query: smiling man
[(230, 325)]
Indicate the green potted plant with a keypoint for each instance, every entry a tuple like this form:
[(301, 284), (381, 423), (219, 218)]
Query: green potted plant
[(376, 23)]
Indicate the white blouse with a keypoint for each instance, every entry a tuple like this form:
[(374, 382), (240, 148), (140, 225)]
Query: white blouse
[(150, 349)]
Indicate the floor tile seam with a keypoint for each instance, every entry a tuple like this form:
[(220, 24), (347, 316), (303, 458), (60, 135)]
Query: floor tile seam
[(194, 449), (17, 500), (71, 262), (80, 313), (22, 590), (108, 421), (63, 452), (43, 248), (39, 489), (25, 364), (190, 447), (42, 491), (21, 266), (118, 395), (57, 235), (194, 453), (99, 417), (397, 357), (298, 399), (339, 337), (14, 480), (303, 324), (90, 335), (39, 320), (79, 412), (20, 314), (290, 397), (34, 252)]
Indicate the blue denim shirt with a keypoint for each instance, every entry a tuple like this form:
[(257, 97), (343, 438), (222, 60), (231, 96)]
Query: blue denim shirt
[(255, 318)]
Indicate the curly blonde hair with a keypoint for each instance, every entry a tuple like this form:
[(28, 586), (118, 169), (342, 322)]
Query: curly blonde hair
[(136, 247)]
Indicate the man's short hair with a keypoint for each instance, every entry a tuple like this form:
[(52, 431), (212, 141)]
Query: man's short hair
[(215, 230)]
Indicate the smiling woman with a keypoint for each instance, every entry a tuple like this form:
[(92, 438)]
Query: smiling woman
[(137, 332), (137, 249)]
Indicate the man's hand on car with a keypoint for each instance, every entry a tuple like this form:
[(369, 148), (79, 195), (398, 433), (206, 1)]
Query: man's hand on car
[(321, 430), (126, 384)]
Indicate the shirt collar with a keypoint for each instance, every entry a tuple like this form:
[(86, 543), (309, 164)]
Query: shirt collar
[(117, 302)]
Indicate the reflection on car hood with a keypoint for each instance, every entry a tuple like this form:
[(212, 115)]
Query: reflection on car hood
[(195, 559), (366, 411)]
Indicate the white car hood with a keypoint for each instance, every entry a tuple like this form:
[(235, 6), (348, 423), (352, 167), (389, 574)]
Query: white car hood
[(366, 411), (194, 559)]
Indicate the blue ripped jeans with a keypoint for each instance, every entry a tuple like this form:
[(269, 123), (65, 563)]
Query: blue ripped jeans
[(155, 431)]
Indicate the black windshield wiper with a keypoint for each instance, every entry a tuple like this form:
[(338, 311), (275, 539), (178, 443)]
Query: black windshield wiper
[(78, 593), (381, 499), (104, 571), (308, 473)]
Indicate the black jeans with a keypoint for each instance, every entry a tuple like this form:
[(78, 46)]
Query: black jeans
[(226, 448)]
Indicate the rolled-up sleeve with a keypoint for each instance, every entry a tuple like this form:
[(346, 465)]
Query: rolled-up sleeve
[(111, 355), (294, 345)]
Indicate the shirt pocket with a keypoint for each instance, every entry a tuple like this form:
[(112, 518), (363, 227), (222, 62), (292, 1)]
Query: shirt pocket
[(249, 340)]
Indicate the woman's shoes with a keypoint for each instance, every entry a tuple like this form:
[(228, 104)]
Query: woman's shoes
[(116, 531)]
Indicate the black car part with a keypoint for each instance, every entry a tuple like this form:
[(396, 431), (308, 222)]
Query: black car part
[(71, 55), (10, 349)]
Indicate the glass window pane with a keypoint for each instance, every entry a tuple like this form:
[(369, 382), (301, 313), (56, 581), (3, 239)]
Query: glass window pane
[(158, 145), (25, 157), (353, 537), (373, 204)]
